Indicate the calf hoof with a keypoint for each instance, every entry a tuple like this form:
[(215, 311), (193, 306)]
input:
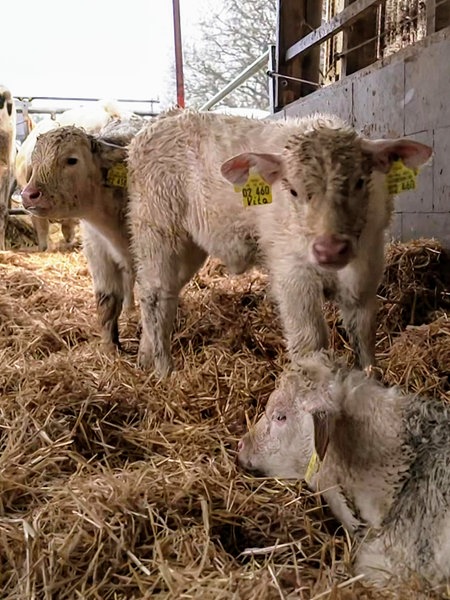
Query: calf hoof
[(162, 367)]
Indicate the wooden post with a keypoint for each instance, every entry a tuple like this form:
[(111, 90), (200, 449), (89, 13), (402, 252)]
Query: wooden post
[(295, 20), (365, 28)]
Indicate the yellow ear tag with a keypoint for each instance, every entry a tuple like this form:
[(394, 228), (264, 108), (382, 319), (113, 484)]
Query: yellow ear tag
[(117, 175), (256, 191), (400, 178), (313, 467)]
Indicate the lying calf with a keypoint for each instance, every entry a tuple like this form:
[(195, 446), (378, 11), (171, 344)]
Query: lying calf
[(385, 469)]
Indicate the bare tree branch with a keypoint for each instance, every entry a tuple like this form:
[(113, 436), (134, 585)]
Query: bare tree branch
[(232, 36)]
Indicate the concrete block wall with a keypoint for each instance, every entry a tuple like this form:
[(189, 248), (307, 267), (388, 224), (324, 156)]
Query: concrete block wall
[(407, 94)]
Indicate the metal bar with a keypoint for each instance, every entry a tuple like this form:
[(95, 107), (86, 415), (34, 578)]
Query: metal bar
[(237, 81), (345, 18), (31, 98), (281, 76), (273, 87), (178, 53), (60, 109)]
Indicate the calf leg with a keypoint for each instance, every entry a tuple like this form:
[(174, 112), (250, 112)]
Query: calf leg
[(68, 230), (4, 203), (360, 323), (300, 298), (162, 272), (108, 287), (128, 288), (41, 227)]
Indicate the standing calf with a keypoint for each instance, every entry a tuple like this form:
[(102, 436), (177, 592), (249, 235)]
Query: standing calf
[(92, 118), (7, 156), (323, 233), (386, 463), (71, 178)]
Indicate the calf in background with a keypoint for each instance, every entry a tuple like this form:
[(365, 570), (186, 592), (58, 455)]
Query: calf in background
[(78, 175)]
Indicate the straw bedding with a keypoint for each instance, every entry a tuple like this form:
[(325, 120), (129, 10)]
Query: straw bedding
[(114, 487)]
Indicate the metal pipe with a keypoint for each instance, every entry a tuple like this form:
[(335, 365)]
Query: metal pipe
[(31, 98), (60, 109), (178, 53), (237, 81)]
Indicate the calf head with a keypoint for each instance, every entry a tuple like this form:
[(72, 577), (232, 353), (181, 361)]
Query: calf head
[(328, 175), (297, 421), (281, 442), (68, 170)]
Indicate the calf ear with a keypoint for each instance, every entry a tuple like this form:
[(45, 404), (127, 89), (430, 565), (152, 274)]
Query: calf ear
[(236, 170), (321, 421), (385, 152), (108, 152)]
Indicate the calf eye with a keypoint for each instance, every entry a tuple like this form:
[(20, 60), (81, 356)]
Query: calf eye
[(281, 417), (72, 161), (294, 193), (359, 184)]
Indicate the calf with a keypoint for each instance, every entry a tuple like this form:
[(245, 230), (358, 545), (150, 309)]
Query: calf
[(322, 234), (93, 118), (385, 470), (77, 175), (7, 156)]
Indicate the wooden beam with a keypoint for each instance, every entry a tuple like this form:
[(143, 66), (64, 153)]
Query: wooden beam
[(345, 18), (431, 16)]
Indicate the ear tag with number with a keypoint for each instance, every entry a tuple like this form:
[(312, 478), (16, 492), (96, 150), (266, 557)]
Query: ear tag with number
[(400, 178), (256, 191), (313, 467), (117, 175)]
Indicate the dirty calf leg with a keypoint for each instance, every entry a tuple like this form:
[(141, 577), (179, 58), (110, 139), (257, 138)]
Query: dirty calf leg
[(109, 306), (3, 221), (160, 280), (108, 287), (4, 205), (300, 298), (360, 323)]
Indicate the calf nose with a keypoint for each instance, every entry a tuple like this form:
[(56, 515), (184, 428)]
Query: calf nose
[(30, 196), (331, 250)]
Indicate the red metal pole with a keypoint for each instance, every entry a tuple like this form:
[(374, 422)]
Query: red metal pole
[(178, 53)]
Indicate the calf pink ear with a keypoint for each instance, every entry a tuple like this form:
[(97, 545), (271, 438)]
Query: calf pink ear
[(385, 152), (236, 169)]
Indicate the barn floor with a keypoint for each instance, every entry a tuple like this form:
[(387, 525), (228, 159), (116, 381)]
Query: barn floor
[(114, 487)]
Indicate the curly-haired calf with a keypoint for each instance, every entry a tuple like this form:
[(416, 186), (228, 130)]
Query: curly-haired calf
[(322, 234), (385, 470)]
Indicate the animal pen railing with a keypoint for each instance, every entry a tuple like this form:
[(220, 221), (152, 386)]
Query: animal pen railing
[(321, 41), (27, 105), (340, 37)]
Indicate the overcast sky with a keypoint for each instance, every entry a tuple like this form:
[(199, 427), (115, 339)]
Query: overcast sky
[(92, 48)]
